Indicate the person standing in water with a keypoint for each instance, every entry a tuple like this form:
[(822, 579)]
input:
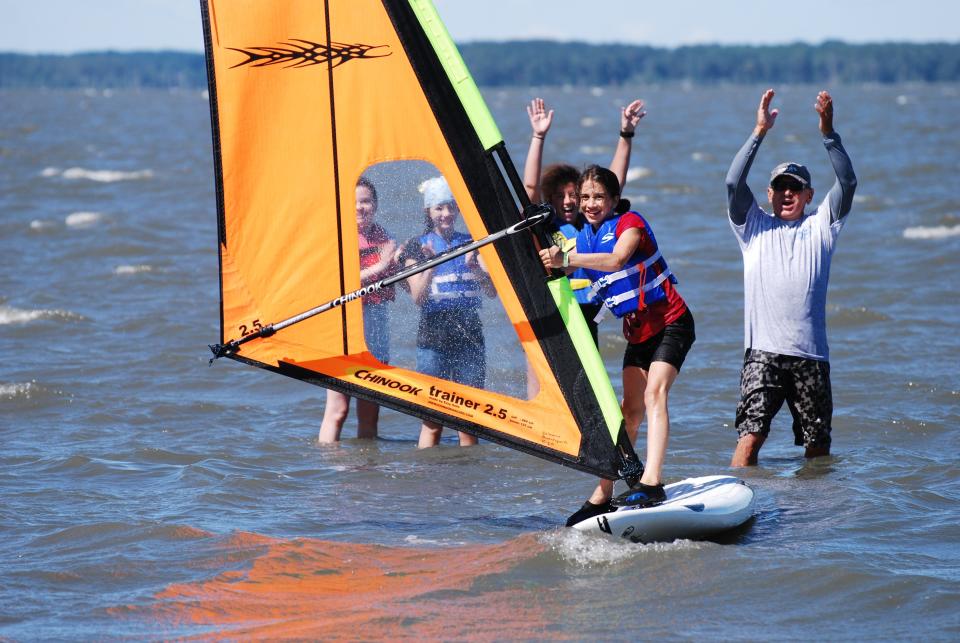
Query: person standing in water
[(450, 343), (377, 249), (558, 186), (618, 250), (786, 268)]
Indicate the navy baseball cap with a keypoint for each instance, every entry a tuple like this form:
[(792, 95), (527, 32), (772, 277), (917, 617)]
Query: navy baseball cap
[(793, 170)]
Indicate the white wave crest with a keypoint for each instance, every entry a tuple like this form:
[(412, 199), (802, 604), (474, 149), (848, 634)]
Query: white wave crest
[(19, 389), (40, 224), (132, 270), (872, 200), (588, 550), (588, 121), (635, 173), (10, 315), (419, 541), (931, 232), (593, 150), (16, 316), (101, 176), (83, 219)]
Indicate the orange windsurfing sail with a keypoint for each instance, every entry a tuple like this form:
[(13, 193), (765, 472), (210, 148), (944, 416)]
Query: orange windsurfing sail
[(350, 141)]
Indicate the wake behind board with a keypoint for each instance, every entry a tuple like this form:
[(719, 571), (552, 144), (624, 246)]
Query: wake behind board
[(694, 508)]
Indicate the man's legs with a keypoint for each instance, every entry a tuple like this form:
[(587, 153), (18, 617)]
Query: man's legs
[(761, 397), (747, 451), (810, 400)]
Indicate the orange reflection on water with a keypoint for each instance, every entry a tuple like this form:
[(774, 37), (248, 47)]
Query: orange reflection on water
[(309, 588)]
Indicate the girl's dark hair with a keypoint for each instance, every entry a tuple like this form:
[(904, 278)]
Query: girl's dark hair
[(555, 177), (610, 183), (364, 182)]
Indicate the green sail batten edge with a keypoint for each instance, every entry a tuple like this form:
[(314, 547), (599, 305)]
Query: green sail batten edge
[(458, 73), (587, 352)]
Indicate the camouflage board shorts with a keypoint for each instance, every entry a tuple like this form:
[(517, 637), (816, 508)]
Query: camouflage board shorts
[(767, 379)]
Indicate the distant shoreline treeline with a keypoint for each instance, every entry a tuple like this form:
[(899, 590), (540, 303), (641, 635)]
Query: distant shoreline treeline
[(521, 63)]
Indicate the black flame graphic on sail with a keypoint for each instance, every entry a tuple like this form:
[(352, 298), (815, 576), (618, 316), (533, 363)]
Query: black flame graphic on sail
[(291, 54)]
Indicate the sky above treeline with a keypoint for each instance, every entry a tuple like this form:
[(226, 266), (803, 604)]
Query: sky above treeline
[(70, 26)]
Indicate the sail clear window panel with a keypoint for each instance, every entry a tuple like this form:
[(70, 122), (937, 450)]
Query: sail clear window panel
[(502, 366)]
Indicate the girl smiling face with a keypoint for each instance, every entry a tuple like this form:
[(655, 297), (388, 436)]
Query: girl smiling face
[(596, 203), (564, 202), (443, 217), (366, 207)]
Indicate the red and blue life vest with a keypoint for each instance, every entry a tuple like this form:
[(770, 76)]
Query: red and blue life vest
[(454, 285), (371, 247), (639, 283)]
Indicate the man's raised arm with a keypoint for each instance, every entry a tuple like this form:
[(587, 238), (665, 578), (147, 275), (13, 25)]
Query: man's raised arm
[(739, 196), (840, 197)]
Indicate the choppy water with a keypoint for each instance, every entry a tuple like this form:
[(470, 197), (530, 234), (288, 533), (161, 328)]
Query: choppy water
[(145, 495)]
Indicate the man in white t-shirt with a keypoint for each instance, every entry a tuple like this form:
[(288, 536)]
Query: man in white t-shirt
[(786, 268)]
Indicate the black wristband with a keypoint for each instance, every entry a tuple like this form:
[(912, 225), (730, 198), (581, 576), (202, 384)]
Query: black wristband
[(626, 134)]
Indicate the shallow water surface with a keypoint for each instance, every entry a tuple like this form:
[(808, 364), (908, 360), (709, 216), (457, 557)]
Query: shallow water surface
[(144, 494)]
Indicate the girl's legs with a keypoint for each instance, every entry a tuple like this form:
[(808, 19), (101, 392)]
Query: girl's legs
[(645, 391), (634, 385), (429, 434), (659, 380), (429, 362), (334, 415), (634, 400), (376, 332), (602, 494), (368, 414), (468, 365)]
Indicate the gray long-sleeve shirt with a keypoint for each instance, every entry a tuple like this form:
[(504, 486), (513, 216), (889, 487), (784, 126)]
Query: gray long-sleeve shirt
[(786, 264)]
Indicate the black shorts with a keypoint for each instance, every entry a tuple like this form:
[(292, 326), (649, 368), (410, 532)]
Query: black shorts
[(670, 345), (767, 379)]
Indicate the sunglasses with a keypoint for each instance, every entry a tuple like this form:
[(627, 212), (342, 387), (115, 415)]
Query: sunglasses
[(780, 185)]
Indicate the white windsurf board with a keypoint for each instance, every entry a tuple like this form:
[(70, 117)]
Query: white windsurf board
[(694, 508)]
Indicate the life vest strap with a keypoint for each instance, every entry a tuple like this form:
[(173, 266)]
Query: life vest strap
[(464, 294), (606, 280), (452, 278), (616, 300)]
